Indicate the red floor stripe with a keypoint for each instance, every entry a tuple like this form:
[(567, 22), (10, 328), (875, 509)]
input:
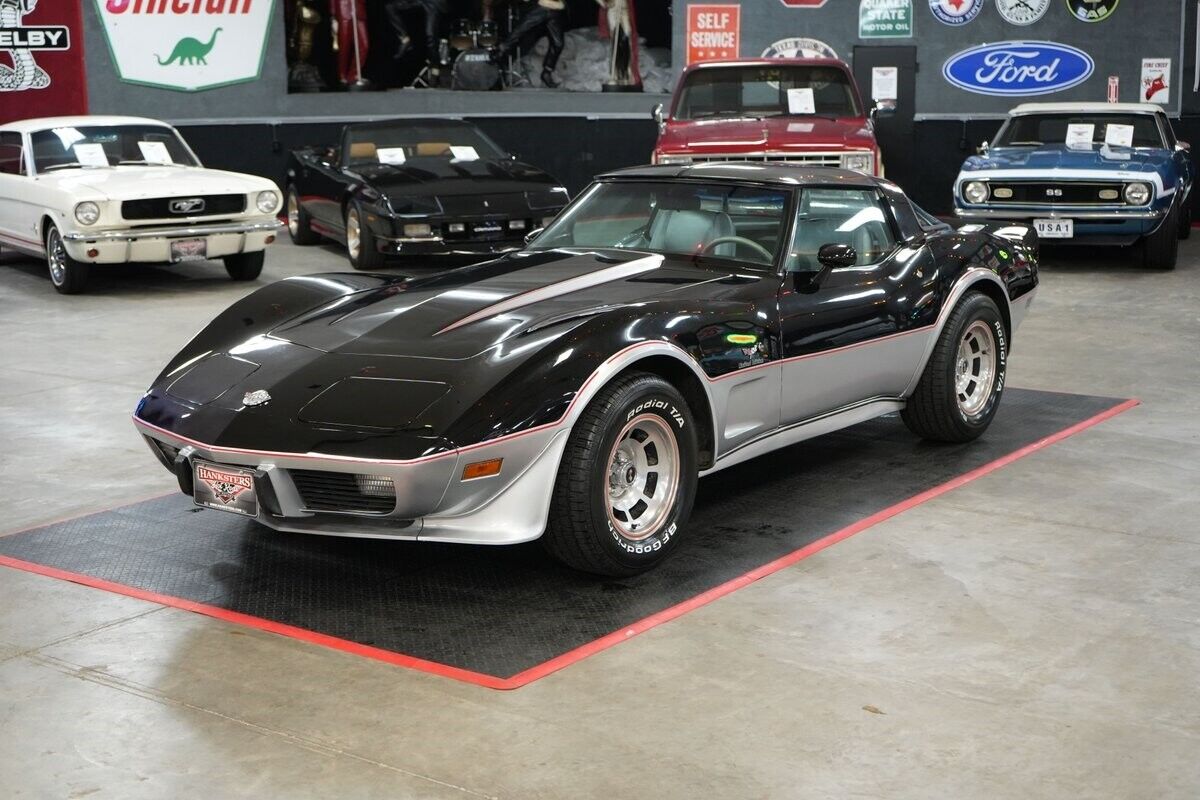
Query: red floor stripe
[(591, 648)]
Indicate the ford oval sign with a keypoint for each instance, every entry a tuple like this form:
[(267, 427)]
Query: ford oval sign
[(1018, 68)]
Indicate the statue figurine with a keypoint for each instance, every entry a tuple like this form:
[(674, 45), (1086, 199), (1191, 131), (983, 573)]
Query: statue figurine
[(350, 42), (617, 22), (303, 19)]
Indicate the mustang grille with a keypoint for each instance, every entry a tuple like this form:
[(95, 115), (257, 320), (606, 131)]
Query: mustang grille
[(1043, 193), (812, 159), (160, 207), (344, 492)]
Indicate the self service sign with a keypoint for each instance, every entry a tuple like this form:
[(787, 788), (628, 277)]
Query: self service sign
[(712, 32), (189, 45)]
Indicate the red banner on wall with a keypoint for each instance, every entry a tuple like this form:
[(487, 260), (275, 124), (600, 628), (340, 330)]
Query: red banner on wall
[(41, 59), (713, 31)]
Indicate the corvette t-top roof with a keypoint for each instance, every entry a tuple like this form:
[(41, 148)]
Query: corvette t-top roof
[(780, 172)]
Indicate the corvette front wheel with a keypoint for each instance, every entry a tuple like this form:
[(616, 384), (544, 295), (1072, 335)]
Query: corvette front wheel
[(627, 479)]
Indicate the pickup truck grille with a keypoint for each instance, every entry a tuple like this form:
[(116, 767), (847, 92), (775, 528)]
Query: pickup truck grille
[(161, 207), (344, 492), (1061, 193), (812, 159)]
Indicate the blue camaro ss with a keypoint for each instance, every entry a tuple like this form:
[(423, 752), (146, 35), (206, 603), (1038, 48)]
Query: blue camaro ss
[(1085, 173)]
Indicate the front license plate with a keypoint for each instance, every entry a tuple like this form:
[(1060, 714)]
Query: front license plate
[(1054, 228), (188, 250), (224, 488), (487, 228)]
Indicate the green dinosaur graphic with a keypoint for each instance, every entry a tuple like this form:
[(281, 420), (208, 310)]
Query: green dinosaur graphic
[(190, 51)]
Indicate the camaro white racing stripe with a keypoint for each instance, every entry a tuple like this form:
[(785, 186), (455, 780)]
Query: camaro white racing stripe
[(614, 273)]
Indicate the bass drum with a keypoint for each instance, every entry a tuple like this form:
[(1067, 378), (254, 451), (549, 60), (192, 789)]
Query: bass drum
[(474, 71)]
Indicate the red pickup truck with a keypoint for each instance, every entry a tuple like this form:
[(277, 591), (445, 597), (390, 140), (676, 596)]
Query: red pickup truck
[(805, 110)]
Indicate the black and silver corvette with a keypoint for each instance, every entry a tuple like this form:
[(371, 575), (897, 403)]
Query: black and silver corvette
[(672, 322), (417, 187)]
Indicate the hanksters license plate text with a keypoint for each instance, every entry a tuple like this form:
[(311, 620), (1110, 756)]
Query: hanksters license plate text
[(1054, 228), (225, 488)]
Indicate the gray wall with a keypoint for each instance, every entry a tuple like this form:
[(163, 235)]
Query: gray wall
[(1137, 29)]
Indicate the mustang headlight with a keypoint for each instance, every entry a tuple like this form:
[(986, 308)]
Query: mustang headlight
[(666, 159), (1137, 194), (267, 201), (859, 162), (975, 191), (87, 212)]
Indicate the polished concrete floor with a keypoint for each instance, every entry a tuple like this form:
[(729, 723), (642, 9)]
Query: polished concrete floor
[(1034, 634)]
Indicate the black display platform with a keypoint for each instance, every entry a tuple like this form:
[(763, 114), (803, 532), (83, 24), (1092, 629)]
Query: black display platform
[(503, 616)]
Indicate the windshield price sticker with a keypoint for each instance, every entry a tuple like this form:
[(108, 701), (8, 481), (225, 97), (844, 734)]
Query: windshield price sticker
[(155, 153), (463, 153), (1118, 135), (801, 101), (90, 154), (1080, 136), (390, 155)]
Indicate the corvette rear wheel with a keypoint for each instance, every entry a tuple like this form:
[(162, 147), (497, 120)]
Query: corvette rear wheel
[(298, 222), (245, 266), (627, 479), (360, 242), (68, 275), (1160, 250), (960, 389)]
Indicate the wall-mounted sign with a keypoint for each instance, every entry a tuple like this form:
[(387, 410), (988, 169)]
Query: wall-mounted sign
[(187, 45), (1156, 80), (1018, 68), (713, 32), (799, 47), (955, 12), (40, 52), (885, 84), (1092, 10), (886, 19), (1022, 12), (803, 3)]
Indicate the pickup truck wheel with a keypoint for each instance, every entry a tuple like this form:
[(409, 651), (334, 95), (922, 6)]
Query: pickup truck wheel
[(627, 479), (1160, 250), (245, 266), (298, 221), (68, 275), (360, 242), (960, 388)]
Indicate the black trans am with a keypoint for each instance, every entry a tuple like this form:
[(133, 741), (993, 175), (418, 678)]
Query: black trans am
[(672, 322), (417, 187)]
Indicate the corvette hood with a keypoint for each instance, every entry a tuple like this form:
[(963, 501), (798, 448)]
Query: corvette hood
[(1052, 157), (778, 134), (136, 182), (463, 312)]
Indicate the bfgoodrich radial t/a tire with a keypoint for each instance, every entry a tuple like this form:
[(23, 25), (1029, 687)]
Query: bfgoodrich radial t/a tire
[(960, 388), (627, 479)]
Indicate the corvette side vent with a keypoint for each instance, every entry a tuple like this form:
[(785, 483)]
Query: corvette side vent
[(344, 492)]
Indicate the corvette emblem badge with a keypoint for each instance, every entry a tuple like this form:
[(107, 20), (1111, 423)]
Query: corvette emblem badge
[(256, 398)]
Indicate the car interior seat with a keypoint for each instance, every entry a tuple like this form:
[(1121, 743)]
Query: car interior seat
[(362, 151), (433, 148), (690, 231)]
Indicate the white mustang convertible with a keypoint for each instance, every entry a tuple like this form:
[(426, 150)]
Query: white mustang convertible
[(113, 190)]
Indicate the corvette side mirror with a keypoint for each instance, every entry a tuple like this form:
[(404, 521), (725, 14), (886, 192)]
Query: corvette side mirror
[(533, 234), (830, 257)]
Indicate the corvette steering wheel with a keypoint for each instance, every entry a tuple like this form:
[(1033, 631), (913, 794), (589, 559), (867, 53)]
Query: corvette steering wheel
[(753, 245)]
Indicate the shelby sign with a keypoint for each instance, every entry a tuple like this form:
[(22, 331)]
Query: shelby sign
[(885, 19), (1018, 68), (187, 45)]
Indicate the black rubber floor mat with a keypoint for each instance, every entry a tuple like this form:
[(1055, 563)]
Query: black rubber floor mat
[(506, 615)]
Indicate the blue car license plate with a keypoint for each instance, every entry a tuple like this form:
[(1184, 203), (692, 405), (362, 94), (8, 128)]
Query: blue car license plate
[(1054, 228)]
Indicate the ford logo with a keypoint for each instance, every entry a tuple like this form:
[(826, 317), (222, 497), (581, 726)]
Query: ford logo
[(1018, 68)]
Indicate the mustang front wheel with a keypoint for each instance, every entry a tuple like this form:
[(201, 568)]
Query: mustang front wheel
[(68, 275), (960, 388), (627, 479), (245, 266)]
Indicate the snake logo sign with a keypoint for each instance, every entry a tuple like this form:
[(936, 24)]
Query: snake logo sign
[(21, 43), (189, 45)]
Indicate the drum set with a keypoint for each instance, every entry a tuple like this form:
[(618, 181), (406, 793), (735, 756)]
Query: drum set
[(465, 59)]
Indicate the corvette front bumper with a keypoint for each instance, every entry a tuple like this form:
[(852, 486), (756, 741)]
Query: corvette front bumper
[(433, 502)]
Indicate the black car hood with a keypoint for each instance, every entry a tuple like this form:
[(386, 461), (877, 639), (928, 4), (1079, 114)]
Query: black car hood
[(461, 313), (442, 176)]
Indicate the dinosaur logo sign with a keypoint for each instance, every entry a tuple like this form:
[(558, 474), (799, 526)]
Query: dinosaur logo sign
[(190, 45), (20, 42)]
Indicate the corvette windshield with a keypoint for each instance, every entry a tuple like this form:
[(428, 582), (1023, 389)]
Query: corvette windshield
[(89, 146), (686, 219), (400, 142), (1033, 130), (786, 90)]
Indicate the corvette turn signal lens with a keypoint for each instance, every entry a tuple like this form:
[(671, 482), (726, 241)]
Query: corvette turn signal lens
[(482, 469)]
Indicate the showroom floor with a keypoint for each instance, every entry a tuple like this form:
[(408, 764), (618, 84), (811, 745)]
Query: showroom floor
[(1034, 634)]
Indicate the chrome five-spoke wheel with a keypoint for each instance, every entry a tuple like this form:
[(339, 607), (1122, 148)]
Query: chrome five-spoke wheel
[(643, 477), (293, 215), (975, 368), (353, 235)]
